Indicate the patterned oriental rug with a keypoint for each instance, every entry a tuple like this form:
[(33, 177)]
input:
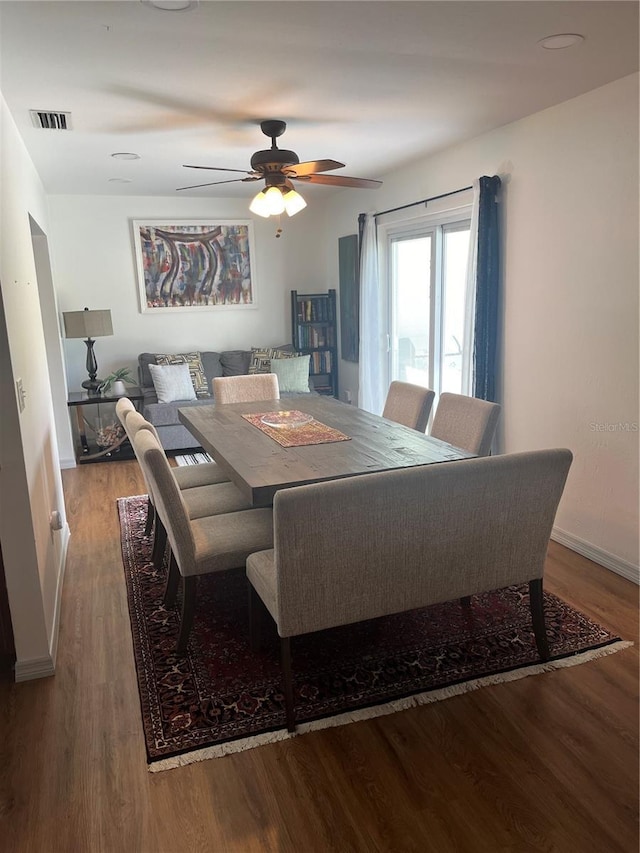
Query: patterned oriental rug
[(220, 697)]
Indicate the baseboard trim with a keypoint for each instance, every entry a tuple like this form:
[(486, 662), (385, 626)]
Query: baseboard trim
[(28, 670), (598, 555), (68, 463), (43, 667)]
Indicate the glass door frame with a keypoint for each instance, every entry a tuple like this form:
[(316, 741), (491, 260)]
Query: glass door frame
[(435, 226)]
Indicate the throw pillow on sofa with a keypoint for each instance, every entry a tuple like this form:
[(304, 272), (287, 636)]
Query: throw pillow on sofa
[(235, 362), (261, 358), (172, 382), (292, 373), (196, 370)]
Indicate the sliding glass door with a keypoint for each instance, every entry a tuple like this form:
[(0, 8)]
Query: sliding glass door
[(427, 269), (411, 275)]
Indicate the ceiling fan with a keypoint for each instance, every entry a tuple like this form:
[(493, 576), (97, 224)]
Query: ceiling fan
[(279, 167)]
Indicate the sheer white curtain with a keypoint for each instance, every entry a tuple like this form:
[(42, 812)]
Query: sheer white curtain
[(470, 296), (371, 394)]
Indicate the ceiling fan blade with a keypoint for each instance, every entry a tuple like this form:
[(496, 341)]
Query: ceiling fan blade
[(156, 124), (312, 166), (213, 183), (216, 169), (339, 181)]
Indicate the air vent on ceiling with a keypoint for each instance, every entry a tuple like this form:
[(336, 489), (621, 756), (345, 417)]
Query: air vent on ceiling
[(50, 120)]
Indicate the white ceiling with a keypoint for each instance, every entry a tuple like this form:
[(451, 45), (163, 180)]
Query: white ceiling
[(372, 84)]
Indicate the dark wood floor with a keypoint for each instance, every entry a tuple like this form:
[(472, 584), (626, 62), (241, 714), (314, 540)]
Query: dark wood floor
[(548, 763)]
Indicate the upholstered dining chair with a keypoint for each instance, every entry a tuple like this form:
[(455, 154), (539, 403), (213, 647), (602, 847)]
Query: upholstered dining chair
[(187, 476), (466, 422), (201, 501), (408, 404), (124, 407), (199, 546), (245, 388)]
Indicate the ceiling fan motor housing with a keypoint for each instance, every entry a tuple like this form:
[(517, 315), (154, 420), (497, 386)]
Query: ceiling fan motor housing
[(276, 179), (273, 159)]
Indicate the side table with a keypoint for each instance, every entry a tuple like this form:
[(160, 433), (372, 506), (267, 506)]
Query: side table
[(78, 400)]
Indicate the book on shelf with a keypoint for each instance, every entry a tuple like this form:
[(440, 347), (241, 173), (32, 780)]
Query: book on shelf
[(315, 337), (317, 310), (321, 362), (313, 322)]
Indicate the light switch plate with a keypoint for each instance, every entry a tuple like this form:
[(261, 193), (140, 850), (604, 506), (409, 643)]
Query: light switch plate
[(22, 394)]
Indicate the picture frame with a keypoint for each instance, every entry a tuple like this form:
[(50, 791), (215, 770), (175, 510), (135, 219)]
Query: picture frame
[(190, 265)]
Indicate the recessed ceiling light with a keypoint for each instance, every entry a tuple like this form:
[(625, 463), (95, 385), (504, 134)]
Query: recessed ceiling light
[(120, 180), (125, 155), (560, 41), (171, 5)]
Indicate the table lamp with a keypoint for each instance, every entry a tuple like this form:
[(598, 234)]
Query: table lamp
[(88, 324)]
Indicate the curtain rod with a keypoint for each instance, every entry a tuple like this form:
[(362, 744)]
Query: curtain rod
[(422, 201)]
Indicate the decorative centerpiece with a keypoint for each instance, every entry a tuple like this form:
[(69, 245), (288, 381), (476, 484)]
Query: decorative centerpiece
[(109, 435), (115, 382), (281, 420)]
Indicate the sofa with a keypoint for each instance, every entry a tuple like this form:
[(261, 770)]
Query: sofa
[(164, 416)]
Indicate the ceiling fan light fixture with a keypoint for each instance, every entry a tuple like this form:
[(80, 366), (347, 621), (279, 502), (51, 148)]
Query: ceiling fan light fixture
[(259, 205), (268, 202), (293, 202), (274, 200)]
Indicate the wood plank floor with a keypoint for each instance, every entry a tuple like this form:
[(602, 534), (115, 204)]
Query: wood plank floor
[(548, 763)]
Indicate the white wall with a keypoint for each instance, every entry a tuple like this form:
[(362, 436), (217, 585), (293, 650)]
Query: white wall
[(30, 482), (94, 266), (570, 258)]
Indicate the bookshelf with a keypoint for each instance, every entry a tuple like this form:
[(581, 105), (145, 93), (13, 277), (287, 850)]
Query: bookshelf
[(313, 331)]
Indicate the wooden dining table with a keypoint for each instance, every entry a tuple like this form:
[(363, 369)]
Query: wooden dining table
[(259, 465)]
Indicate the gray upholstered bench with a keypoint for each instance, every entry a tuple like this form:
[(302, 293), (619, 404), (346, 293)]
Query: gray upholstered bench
[(363, 547)]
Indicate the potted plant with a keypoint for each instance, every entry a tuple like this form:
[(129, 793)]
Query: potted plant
[(117, 379)]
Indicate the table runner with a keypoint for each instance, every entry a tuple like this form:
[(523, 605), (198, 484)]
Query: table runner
[(297, 436)]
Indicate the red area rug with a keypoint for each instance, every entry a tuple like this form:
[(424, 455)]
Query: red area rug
[(220, 697)]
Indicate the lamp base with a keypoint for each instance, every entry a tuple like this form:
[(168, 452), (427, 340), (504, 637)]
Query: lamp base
[(92, 385)]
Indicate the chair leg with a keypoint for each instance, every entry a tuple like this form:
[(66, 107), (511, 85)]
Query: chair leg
[(171, 584), (159, 544), (151, 514), (465, 601), (255, 620), (536, 604), (188, 609), (285, 661)]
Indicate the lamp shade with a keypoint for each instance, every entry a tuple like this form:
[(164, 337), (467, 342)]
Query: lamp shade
[(273, 201), (259, 205), (293, 202), (87, 324)]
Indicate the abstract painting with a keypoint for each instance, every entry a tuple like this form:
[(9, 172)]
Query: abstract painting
[(194, 265)]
